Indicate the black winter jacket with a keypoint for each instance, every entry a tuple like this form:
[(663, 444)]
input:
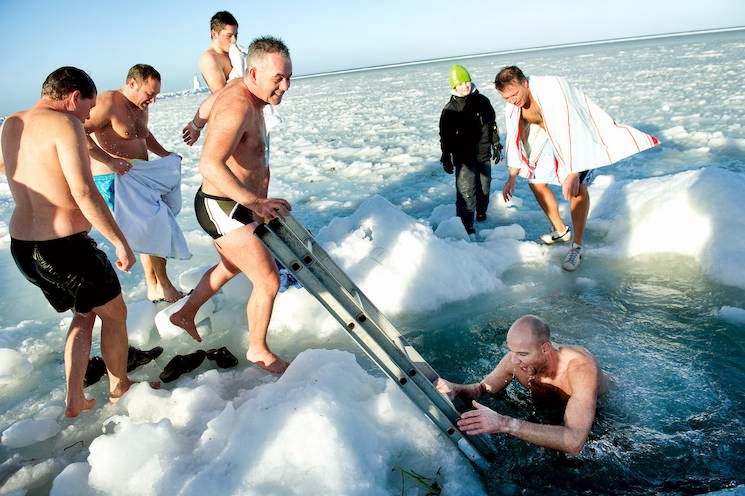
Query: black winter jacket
[(468, 130)]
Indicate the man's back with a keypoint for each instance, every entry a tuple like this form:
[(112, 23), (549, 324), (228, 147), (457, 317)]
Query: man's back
[(43, 151)]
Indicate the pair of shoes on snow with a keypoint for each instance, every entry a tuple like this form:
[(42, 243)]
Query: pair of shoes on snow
[(135, 358), (181, 364), (556, 236)]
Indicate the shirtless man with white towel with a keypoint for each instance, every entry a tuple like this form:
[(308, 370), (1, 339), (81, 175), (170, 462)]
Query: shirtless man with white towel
[(118, 133), (556, 135)]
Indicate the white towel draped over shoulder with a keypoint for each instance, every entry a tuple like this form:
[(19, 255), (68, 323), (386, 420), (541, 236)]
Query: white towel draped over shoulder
[(581, 134), (146, 201)]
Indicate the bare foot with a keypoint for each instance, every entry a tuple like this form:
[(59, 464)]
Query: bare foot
[(74, 408), (172, 295), (124, 386), (167, 295), (268, 361), (186, 324)]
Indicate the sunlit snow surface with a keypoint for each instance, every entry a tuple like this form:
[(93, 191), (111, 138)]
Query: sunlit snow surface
[(659, 299)]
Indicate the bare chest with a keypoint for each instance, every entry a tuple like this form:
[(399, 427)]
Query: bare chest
[(251, 148), (544, 386), (225, 64), (547, 389), (532, 115), (129, 124)]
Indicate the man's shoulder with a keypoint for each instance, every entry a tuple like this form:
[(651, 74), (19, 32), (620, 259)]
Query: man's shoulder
[(577, 357), (106, 101), (108, 95), (45, 117), (234, 91), (103, 111), (211, 52), (15, 117), (233, 103), (211, 56)]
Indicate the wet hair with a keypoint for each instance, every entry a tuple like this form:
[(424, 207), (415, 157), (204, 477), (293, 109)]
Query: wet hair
[(65, 80), (538, 327), (507, 76), (142, 72), (222, 19), (265, 45)]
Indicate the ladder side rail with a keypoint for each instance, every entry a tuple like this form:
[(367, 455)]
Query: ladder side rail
[(295, 234)]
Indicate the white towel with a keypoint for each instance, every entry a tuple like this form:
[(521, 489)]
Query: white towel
[(582, 135), (237, 55), (146, 201)]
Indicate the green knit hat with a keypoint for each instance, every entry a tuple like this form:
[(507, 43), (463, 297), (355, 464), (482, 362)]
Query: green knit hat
[(458, 74)]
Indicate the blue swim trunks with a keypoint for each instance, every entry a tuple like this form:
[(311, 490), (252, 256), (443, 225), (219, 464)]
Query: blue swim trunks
[(105, 185)]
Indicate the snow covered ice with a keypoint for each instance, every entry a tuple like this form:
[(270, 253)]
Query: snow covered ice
[(659, 299)]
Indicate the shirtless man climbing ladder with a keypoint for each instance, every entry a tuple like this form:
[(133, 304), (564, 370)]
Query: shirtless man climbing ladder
[(233, 197)]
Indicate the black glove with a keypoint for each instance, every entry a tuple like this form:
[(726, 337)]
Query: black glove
[(447, 163), (497, 153)]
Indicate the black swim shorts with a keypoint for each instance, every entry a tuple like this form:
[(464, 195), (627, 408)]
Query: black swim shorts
[(218, 216), (71, 271)]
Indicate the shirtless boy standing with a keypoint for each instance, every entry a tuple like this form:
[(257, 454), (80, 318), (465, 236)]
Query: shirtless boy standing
[(214, 63)]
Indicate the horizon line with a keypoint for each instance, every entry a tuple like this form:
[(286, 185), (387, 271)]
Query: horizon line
[(521, 50)]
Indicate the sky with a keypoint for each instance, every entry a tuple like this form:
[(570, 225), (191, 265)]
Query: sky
[(107, 38)]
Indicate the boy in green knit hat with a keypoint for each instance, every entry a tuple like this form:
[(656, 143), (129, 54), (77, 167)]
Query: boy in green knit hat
[(469, 139)]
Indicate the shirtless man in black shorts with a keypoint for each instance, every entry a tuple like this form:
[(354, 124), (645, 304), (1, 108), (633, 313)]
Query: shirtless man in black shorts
[(44, 154), (233, 195)]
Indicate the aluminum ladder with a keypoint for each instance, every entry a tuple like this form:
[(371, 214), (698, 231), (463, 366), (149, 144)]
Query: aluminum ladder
[(294, 246)]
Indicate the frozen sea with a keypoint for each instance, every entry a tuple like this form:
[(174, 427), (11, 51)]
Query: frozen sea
[(659, 299)]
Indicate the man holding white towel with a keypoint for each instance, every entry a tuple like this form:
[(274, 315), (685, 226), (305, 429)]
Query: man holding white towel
[(215, 64), (557, 135), (117, 135)]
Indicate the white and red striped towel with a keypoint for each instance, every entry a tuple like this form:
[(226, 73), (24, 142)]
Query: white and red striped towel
[(581, 134)]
